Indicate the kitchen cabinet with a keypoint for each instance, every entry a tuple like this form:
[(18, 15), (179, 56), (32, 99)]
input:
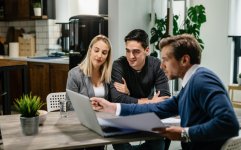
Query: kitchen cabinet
[(58, 77), (14, 10), (39, 79), (23, 76), (13, 81), (45, 78)]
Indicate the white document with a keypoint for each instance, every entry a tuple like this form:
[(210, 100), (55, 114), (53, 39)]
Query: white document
[(172, 121), (140, 122)]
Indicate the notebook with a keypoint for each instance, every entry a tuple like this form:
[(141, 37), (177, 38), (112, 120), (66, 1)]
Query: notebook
[(88, 118)]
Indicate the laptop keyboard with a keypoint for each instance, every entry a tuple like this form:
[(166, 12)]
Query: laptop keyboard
[(108, 129)]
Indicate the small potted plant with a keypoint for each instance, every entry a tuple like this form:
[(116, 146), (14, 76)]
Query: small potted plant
[(28, 107), (37, 8)]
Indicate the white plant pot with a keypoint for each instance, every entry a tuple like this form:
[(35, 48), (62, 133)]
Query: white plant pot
[(37, 11)]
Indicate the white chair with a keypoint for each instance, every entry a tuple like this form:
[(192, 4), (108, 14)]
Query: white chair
[(53, 100), (233, 143)]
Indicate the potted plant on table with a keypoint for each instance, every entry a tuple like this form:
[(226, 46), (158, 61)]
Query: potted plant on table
[(37, 8), (28, 107)]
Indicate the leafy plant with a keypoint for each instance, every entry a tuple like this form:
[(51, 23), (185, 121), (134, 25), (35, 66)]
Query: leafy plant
[(196, 16), (37, 5), (28, 105)]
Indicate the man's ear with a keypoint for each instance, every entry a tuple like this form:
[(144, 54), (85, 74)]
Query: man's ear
[(147, 51), (185, 60)]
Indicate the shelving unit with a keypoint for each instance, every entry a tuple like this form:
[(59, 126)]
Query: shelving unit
[(23, 10)]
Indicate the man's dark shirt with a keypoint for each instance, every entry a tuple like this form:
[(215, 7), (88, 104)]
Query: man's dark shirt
[(140, 83)]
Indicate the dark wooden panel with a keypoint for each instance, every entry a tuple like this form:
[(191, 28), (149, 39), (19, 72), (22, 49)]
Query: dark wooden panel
[(10, 5), (17, 9), (23, 9), (58, 77), (39, 79)]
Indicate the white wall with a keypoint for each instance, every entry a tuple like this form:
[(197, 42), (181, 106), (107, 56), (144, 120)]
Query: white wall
[(68, 8), (124, 16), (217, 51)]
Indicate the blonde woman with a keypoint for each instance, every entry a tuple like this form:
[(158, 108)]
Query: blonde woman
[(92, 76)]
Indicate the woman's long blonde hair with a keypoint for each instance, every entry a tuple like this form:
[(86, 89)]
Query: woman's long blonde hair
[(86, 65)]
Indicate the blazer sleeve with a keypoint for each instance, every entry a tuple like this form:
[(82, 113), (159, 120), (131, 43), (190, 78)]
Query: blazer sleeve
[(214, 101), (73, 83), (163, 109)]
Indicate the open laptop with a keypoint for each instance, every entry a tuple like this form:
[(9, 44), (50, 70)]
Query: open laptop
[(87, 116)]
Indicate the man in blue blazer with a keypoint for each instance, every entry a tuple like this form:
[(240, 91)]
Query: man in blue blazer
[(207, 115)]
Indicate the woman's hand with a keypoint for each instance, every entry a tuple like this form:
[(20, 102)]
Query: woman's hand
[(122, 87)]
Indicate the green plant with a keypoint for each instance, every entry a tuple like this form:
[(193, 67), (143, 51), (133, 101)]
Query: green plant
[(196, 16), (28, 105), (37, 5)]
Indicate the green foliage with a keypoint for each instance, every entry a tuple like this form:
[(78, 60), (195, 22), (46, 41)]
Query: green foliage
[(28, 105), (196, 16), (37, 5)]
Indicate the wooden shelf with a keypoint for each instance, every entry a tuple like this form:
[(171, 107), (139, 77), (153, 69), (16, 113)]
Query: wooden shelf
[(22, 10), (39, 17)]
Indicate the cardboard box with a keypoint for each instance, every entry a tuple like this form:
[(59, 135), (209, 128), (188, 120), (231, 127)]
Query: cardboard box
[(27, 46)]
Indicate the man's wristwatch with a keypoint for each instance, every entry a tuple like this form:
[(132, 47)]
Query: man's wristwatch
[(184, 136)]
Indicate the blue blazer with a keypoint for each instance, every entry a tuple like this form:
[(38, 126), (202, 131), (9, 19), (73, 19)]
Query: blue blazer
[(203, 105)]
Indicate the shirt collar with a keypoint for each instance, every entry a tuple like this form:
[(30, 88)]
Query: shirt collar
[(189, 74)]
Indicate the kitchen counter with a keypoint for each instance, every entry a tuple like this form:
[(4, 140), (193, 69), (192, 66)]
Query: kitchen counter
[(39, 75), (44, 59)]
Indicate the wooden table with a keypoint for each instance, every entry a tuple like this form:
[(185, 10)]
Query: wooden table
[(60, 133), (231, 89)]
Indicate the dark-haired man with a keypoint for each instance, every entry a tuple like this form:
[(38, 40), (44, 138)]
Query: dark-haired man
[(135, 79)]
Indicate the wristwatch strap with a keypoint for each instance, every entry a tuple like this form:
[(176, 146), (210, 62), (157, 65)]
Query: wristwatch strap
[(184, 136)]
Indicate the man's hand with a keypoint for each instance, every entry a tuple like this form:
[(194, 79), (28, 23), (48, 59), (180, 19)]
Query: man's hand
[(155, 99), (100, 104), (122, 87), (172, 133)]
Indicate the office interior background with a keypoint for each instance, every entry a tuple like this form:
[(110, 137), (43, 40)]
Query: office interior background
[(125, 15)]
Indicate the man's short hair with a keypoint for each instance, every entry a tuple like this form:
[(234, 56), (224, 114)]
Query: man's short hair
[(138, 35), (184, 44)]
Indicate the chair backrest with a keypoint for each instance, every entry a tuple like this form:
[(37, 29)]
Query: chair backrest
[(233, 143), (53, 100)]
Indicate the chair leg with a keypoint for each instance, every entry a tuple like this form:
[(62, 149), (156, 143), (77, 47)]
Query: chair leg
[(167, 143)]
